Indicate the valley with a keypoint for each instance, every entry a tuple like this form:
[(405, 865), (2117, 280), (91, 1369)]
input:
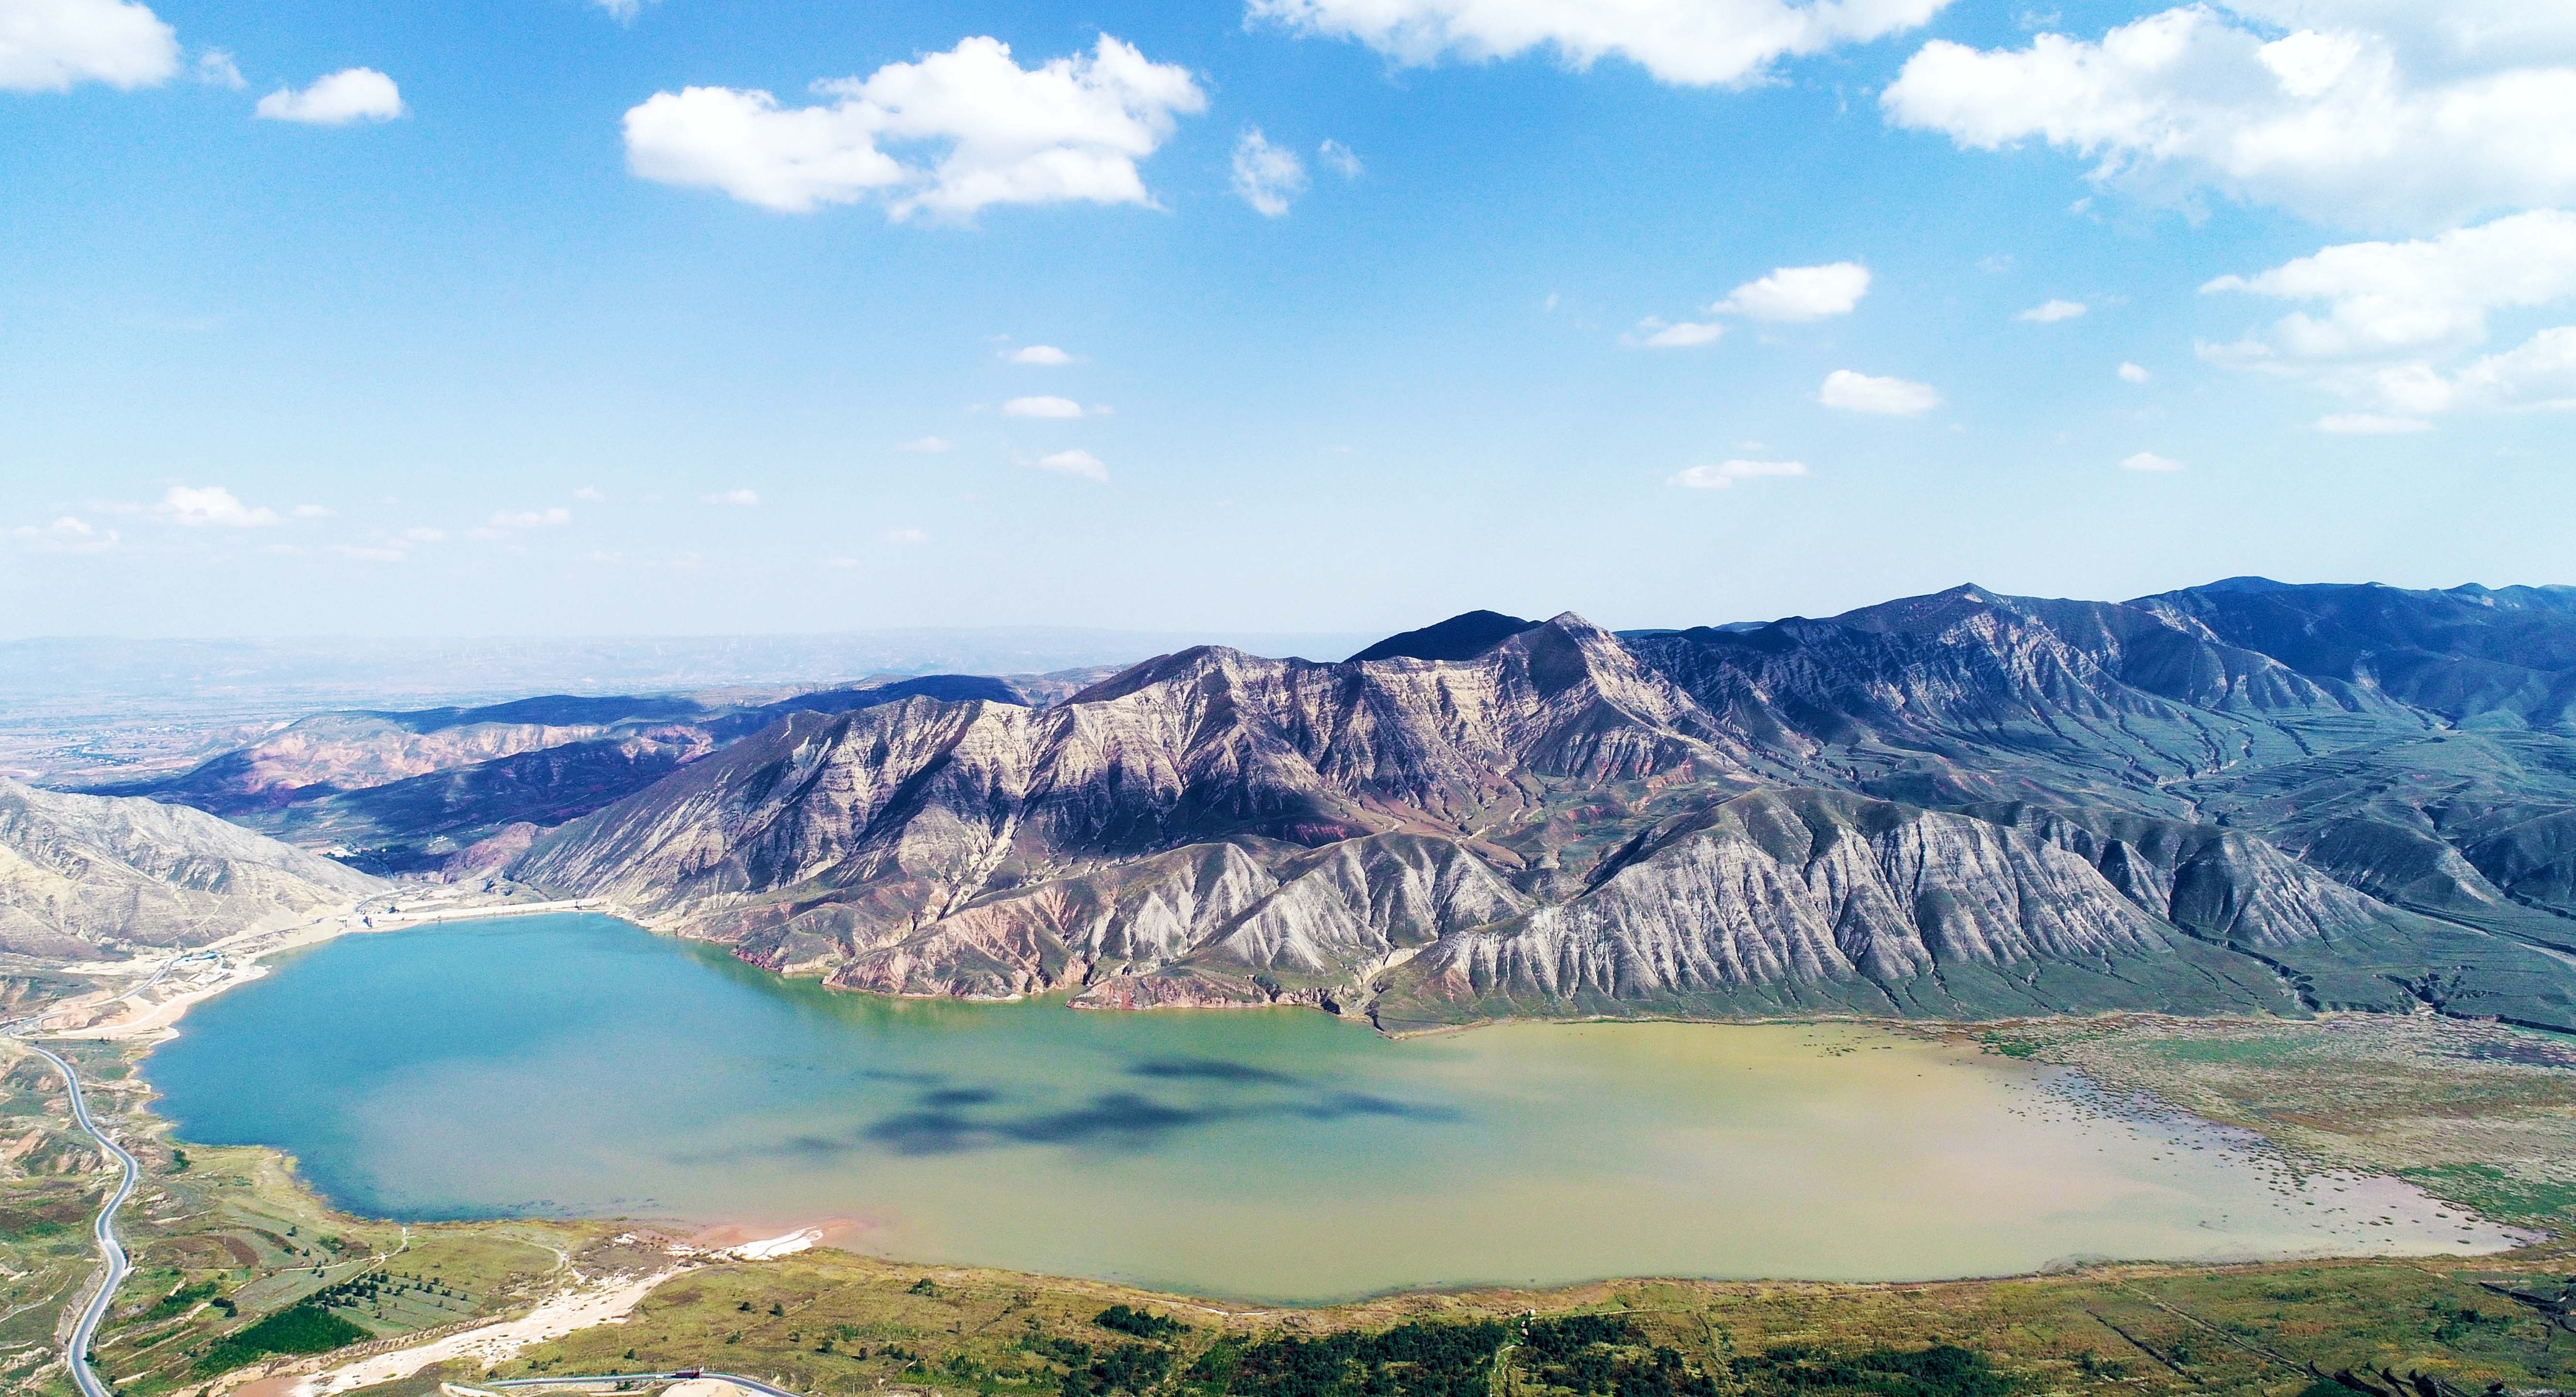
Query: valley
[(2160, 953)]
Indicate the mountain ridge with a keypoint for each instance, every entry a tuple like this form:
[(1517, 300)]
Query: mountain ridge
[(2011, 805)]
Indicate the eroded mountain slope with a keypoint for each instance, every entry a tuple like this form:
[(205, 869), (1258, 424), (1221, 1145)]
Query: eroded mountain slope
[(1960, 804), (91, 877)]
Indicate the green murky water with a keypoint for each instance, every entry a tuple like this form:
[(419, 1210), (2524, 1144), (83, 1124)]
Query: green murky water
[(575, 1065)]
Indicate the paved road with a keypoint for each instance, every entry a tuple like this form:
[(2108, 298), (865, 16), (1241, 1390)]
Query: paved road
[(76, 1353), (736, 1379)]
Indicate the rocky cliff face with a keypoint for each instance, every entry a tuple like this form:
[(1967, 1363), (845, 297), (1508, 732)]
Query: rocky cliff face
[(92, 877), (1962, 804)]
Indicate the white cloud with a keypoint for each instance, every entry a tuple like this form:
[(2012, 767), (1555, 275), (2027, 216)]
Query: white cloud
[(1800, 293), (2050, 312), (2150, 461), (2383, 297), (2399, 316), (211, 505), (1693, 42), (1687, 334), (1045, 354), (591, 494), (1724, 474), (1076, 462), (312, 511), (1340, 159), (925, 445), (2132, 373), (1847, 391), (215, 68), (1266, 176), (531, 518), (369, 552), (1042, 406), (623, 11), (905, 536), (1071, 129), (67, 535), (352, 94), (422, 533), (2538, 374), (2370, 424), (48, 45), (738, 498), (2360, 115)]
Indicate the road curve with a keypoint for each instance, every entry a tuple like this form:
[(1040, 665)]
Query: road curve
[(76, 1353)]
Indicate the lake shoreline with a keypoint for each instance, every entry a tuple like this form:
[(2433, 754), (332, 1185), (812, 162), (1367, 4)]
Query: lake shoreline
[(1400, 1153)]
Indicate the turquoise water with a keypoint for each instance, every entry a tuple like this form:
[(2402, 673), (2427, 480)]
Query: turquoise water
[(575, 1065)]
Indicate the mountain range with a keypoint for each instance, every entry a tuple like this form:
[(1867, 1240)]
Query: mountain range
[(2248, 796)]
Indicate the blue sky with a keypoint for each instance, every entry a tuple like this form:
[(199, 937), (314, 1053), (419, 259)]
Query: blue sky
[(455, 345)]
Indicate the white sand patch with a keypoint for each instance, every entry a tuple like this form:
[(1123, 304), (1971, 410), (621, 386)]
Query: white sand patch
[(771, 1248), (604, 1302)]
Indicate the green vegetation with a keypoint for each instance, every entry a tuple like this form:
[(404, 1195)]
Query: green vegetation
[(1143, 1324), (178, 1301), (1942, 1370), (299, 1329), (1409, 1360)]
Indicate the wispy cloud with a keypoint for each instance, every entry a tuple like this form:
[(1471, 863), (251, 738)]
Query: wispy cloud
[(1654, 333), (1043, 354), (2370, 424), (739, 498), (531, 518), (352, 94), (215, 68), (2132, 373), (1799, 293), (1846, 391), (2050, 312), (1266, 176), (1075, 462), (212, 506), (1042, 406), (2150, 461), (1723, 474), (925, 445), (66, 535)]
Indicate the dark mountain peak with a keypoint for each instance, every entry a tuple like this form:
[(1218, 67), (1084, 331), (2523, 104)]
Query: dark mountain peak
[(2247, 583), (1461, 637), (1931, 612)]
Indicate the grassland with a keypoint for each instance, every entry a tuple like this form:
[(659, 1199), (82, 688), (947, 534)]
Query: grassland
[(227, 1240), (2481, 1114)]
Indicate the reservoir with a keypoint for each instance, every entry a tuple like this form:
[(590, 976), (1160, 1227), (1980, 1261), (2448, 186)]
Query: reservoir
[(574, 1065)]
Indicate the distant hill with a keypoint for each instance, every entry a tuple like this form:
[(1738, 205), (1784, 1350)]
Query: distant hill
[(89, 877), (413, 791)]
